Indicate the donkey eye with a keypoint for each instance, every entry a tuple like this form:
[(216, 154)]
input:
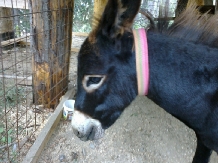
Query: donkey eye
[(92, 82)]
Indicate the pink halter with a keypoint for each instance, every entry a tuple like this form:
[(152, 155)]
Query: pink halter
[(142, 65)]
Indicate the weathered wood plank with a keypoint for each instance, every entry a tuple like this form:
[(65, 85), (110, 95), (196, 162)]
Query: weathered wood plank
[(25, 40), (80, 34), (15, 40), (22, 4), (75, 50), (20, 80), (6, 21), (34, 152)]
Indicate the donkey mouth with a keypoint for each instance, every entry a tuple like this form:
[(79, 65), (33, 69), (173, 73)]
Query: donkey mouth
[(87, 136), (91, 134), (85, 127)]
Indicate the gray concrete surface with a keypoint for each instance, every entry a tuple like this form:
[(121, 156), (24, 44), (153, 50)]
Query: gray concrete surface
[(144, 133)]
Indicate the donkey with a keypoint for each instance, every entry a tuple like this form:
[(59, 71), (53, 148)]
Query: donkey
[(177, 69)]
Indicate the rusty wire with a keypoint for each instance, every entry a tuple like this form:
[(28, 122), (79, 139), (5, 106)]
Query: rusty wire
[(21, 119)]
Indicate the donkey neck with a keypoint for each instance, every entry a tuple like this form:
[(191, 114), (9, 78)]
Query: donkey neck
[(176, 65)]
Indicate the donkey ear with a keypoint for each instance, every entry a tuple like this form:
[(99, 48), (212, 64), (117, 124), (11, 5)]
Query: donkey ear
[(118, 17)]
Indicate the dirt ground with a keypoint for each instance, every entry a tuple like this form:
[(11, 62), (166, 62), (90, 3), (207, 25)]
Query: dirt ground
[(144, 133)]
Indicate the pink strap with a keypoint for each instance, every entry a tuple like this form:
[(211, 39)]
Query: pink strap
[(142, 65)]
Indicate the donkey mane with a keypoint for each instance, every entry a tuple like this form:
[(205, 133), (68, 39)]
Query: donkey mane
[(191, 25)]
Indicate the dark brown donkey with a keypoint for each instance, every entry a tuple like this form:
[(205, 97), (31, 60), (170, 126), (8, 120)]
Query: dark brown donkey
[(183, 73)]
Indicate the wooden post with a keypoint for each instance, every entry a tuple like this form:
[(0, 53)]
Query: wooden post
[(201, 2), (51, 35), (99, 6), (198, 2), (205, 5), (216, 5), (180, 6), (6, 24), (208, 2)]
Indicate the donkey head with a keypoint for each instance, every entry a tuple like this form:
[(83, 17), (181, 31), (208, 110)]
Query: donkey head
[(106, 76)]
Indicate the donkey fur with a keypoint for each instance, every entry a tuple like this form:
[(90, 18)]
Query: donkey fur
[(183, 63)]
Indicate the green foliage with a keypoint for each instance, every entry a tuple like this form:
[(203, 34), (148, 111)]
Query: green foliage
[(10, 96), (5, 138), (83, 11), (140, 23), (14, 96), (21, 22)]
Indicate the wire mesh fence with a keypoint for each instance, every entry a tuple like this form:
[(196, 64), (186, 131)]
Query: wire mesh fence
[(30, 85)]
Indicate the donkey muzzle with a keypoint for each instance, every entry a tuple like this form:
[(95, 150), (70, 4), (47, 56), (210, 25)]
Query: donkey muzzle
[(85, 127)]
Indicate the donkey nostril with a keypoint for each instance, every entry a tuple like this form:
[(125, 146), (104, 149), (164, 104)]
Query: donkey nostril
[(77, 133)]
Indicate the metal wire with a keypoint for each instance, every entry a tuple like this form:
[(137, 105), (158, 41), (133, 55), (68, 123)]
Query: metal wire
[(21, 119)]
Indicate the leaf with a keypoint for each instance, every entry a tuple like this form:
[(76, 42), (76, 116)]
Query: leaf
[(1, 129), (3, 140), (10, 131), (9, 140)]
